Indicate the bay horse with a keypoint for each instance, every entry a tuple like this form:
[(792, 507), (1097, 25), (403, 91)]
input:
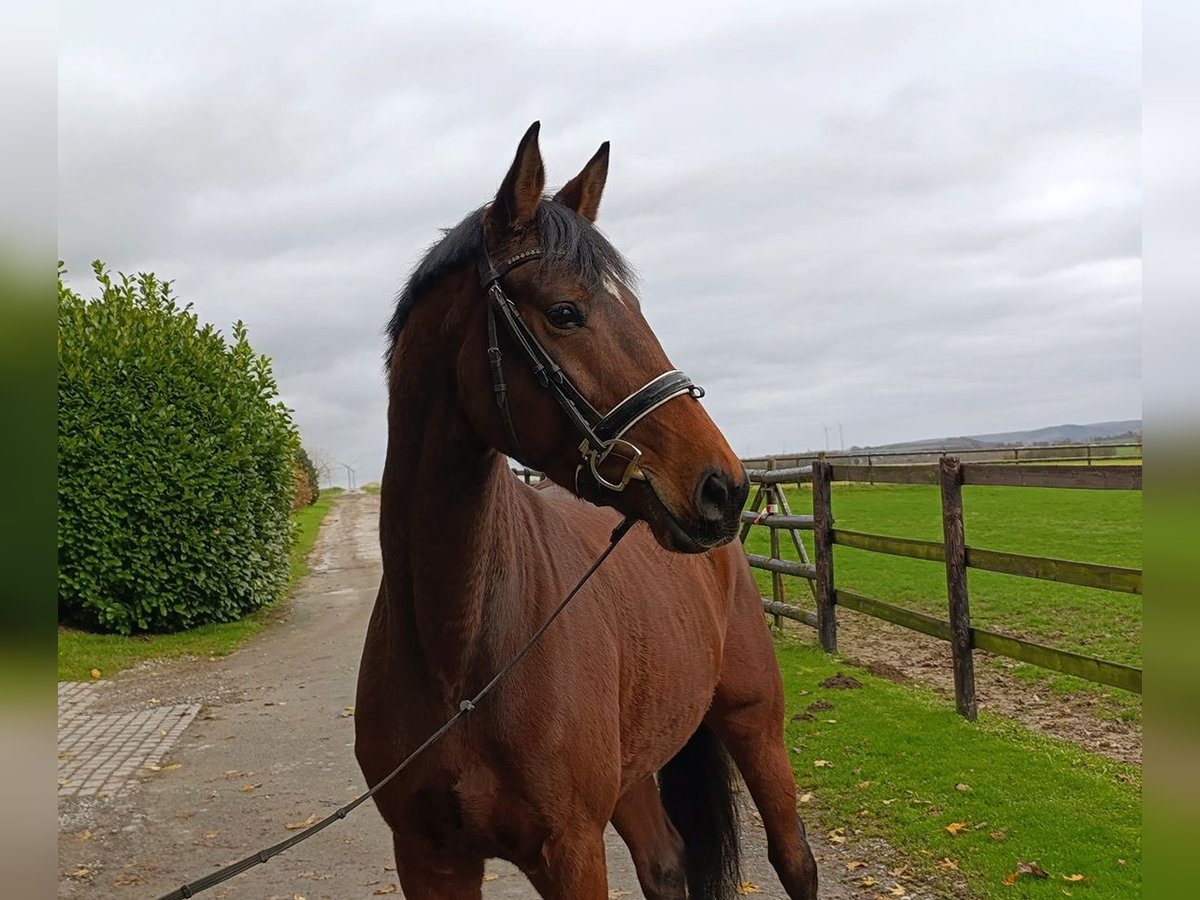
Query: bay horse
[(634, 704)]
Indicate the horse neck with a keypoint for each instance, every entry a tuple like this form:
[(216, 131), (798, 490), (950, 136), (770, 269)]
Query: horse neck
[(448, 533)]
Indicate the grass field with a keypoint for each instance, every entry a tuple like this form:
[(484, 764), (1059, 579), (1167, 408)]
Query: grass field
[(81, 652), (897, 762), (1091, 526)]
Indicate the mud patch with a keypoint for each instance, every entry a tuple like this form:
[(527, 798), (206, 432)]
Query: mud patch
[(899, 654), (840, 682)]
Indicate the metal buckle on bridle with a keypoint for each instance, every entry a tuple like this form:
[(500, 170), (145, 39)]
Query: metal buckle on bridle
[(594, 457)]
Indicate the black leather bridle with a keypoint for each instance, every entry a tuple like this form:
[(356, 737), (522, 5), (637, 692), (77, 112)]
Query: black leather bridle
[(602, 434)]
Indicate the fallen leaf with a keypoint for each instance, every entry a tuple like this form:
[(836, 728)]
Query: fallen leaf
[(95, 673), (127, 879), (867, 881), (962, 787), (490, 876), (997, 835), (82, 872), (889, 802), (615, 893), (1031, 868), (838, 836), (898, 891), (85, 835), (756, 819), (1074, 878), (390, 889), (807, 798), (822, 764), (896, 873), (748, 887), (247, 788), (948, 864), (956, 827), (863, 785), (1010, 879), (296, 826), (855, 864)]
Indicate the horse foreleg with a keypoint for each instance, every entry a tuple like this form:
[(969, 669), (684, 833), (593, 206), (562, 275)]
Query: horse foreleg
[(427, 876), (573, 867), (747, 714), (655, 845)]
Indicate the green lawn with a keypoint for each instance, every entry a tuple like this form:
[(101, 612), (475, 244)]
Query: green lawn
[(894, 758), (1091, 526), (81, 652)]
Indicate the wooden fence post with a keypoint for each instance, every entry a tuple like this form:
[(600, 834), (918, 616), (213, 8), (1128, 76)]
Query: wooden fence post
[(772, 499), (823, 551), (956, 587)]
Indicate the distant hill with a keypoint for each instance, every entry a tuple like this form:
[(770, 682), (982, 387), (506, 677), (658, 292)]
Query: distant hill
[(1052, 434)]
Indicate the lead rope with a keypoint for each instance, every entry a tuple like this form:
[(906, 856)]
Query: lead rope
[(193, 888)]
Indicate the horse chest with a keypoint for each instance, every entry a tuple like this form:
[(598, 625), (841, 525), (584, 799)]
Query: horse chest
[(469, 807)]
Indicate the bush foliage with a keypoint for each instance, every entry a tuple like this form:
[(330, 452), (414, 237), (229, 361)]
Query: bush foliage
[(175, 477)]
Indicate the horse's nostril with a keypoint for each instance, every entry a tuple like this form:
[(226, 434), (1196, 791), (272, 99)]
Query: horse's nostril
[(713, 496)]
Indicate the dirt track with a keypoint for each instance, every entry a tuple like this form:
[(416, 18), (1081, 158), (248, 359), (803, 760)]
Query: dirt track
[(273, 746)]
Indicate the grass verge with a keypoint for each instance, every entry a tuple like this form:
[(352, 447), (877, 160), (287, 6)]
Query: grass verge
[(899, 764), (79, 652)]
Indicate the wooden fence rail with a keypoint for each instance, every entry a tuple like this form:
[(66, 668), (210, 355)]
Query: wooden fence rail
[(1088, 454)]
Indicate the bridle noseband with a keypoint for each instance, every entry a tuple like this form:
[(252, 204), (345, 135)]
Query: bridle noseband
[(602, 434)]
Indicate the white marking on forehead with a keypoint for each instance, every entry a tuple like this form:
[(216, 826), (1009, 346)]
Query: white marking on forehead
[(613, 285)]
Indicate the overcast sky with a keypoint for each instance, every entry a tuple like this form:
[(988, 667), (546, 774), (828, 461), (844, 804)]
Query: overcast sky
[(917, 219)]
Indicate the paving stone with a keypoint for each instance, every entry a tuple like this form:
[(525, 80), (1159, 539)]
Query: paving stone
[(99, 753)]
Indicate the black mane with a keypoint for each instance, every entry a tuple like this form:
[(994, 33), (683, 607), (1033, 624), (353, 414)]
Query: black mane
[(566, 236)]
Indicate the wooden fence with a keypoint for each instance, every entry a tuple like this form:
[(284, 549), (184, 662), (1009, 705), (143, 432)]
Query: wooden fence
[(769, 509), (1083, 454)]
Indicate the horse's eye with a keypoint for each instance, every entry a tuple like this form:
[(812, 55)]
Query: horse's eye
[(565, 315)]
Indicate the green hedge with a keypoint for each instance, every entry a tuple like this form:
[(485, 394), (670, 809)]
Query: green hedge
[(175, 458)]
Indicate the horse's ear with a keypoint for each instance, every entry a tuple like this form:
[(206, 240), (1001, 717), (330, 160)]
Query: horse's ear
[(582, 193), (521, 191)]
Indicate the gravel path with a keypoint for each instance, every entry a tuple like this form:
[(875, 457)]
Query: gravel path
[(271, 746)]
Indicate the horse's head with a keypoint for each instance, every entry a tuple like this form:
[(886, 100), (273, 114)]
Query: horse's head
[(617, 424)]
